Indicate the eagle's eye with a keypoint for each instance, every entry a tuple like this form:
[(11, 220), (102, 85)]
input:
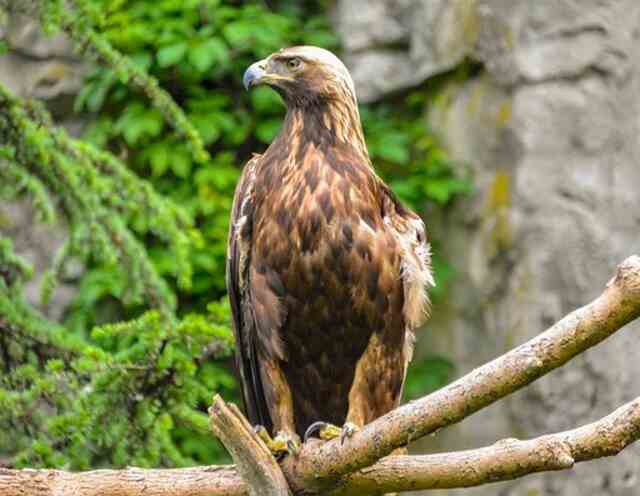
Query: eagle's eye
[(294, 63)]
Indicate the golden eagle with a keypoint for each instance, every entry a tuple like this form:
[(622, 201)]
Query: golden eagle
[(327, 271)]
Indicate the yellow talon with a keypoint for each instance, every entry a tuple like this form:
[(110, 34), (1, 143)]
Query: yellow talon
[(329, 431), (284, 443)]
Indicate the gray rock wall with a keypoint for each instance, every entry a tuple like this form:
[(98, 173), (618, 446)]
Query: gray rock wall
[(550, 128)]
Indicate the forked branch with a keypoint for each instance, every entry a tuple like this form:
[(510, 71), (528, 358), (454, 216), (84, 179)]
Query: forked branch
[(506, 460), (359, 467)]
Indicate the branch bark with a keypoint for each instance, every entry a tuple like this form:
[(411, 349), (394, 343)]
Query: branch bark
[(253, 459), (357, 467), (197, 481), (506, 460)]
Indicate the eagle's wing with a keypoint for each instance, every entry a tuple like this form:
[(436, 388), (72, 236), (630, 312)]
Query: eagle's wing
[(257, 312), (238, 255), (415, 254)]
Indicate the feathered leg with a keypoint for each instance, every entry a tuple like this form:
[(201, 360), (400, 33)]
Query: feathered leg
[(280, 404), (376, 390)]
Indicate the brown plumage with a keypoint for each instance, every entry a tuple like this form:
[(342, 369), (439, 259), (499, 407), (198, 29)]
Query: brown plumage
[(327, 270)]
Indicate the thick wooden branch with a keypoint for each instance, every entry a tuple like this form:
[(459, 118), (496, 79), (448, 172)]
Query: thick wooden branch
[(357, 467), (506, 460), (197, 481), (618, 305), (254, 461)]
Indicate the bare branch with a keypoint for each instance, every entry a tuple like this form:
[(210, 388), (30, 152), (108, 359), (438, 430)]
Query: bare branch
[(197, 481), (253, 459), (352, 469), (618, 305), (506, 460)]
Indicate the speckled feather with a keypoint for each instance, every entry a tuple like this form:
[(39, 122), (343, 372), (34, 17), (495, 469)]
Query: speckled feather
[(327, 270)]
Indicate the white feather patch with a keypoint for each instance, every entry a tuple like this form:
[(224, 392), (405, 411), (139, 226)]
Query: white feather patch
[(416, 273)]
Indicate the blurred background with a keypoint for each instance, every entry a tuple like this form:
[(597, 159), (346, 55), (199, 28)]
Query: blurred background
[(511, 126)]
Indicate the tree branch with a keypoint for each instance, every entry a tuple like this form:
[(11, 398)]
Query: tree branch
[(197, 481), (506, 460), (354, 468), (253, 459), (619, 304)]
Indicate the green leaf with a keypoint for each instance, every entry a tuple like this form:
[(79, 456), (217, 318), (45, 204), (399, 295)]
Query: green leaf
[(394, 148), (171, 54), (439, 190), (268, 129), (238, 33), (142, 60), (206, 54), (427, 375), (138, 122), (206, 126), (181, 162), (159, 158)]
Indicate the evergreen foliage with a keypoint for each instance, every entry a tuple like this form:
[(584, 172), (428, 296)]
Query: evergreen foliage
[(165, 93)]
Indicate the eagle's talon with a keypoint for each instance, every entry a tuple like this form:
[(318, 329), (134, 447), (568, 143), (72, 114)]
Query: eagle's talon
[(283, 444), (348, 430), (292, 447), (314, 428), (328, 431), (262, 433)]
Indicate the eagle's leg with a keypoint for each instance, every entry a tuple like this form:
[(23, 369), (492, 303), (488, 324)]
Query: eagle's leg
[(280, 404), (367, 400)]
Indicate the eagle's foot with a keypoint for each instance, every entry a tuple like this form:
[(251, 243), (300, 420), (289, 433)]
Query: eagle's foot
[(283, 444), (329, 431)]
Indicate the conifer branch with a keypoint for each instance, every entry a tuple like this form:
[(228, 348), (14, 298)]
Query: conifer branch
[(75, 18)]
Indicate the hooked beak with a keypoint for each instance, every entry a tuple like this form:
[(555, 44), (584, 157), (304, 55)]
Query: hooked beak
[(254, 74)]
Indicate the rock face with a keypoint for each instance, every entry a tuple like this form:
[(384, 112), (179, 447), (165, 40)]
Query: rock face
[(390, 44), (38, 66), (550, 129)]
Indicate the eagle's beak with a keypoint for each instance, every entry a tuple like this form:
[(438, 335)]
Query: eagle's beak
[(254, 74)]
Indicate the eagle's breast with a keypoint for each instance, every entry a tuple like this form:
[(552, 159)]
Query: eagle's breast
[(325, 249)]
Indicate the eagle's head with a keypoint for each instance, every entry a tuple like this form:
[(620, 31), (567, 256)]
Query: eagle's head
[(303, 75)]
